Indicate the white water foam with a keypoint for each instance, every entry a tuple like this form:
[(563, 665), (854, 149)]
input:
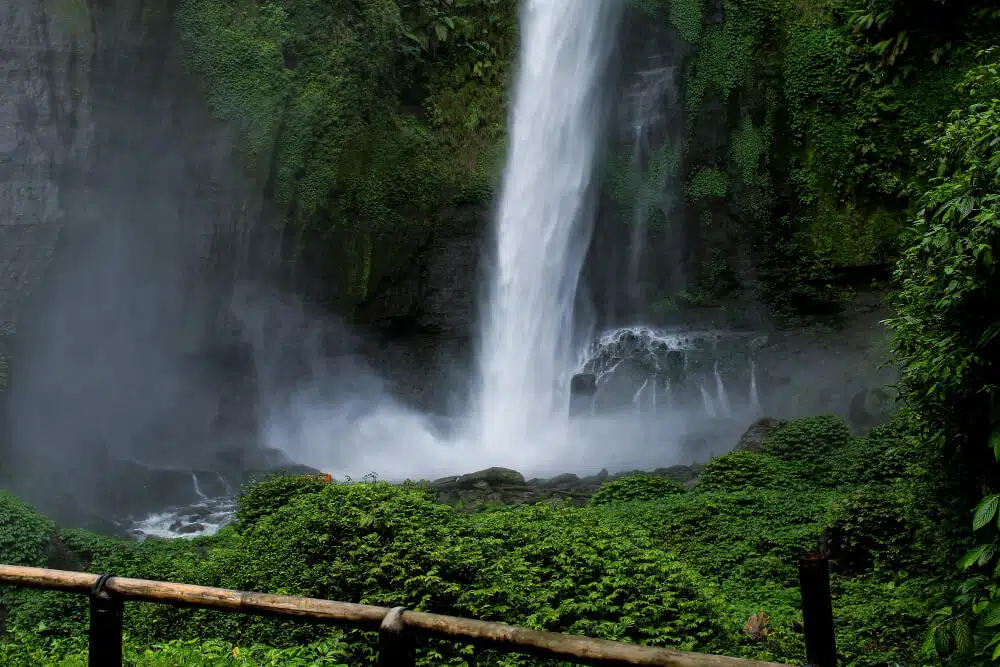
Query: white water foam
[(544, 223)]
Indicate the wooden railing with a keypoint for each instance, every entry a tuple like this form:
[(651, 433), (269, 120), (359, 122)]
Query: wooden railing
[(396, 627)]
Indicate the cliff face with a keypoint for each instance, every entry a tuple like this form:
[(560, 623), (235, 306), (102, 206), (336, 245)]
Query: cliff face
[(125, 220), (46, 136)]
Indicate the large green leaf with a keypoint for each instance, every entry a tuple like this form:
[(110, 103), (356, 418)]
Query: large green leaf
[(986, 510)]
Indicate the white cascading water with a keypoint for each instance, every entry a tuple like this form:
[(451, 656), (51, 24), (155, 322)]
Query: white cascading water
[(543, 226)]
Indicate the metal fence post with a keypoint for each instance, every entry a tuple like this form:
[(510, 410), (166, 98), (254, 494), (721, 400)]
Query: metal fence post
[(817, 611), (105, 637), (395, 645)]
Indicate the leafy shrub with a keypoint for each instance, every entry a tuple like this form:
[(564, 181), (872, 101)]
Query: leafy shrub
[(24, 533), (884, 455), (869, 529), (24, 650), (267, 496), (561, 569), (744, 470), (635, 488), (808, 440), (708, 182), (721, 533)]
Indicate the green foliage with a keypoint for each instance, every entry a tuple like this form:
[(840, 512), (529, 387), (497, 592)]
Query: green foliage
[(635, 488), (266, 496), (707, 182), (24, 533), (726, 53), (749, 150), (808, 440), (685, 15), (363, 119), (796, 276), (237, 49), (23, 650), (743, 470), (644, 563), (944, 334), (868, 530)]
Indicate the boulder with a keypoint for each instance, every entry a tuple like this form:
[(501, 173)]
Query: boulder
[(490, 477), (871, 407), (582, 389), (753, 438)]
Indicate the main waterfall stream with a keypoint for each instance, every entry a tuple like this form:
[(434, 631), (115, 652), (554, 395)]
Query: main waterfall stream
[(544, 220)]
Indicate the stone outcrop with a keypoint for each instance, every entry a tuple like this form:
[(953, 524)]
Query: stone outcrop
[(753, 438), (501, 486), (46, 136)]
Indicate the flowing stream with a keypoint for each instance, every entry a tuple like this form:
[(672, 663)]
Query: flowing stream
[(544, 219)]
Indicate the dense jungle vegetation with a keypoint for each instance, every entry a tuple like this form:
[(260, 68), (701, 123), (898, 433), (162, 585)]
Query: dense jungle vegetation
[(858, 132)]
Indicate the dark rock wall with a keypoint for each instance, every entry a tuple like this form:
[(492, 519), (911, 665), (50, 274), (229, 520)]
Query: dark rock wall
[(132, 220)]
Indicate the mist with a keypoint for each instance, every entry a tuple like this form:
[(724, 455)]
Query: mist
[(160, 344)]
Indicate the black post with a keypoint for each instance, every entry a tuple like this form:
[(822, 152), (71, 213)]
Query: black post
[(106, 612), (817, 611), (395, 645)]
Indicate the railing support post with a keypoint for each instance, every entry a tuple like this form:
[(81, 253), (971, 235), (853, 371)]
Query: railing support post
[(395, 645), (105, 637), (817, 611)]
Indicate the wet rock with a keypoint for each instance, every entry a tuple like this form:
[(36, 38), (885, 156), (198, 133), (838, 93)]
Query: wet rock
[(678, 473), (191, 528), (871, 407), (489, 477), (584, 384), (564, 480), (582, 389), (753, 438)]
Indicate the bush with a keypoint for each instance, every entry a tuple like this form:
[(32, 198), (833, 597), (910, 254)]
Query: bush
[(24, 533), (868, 529), (635, 488), (744, 470), (267, 496), (809, 441), (555, 568)]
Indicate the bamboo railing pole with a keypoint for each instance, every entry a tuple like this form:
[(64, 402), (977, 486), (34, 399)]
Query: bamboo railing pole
[(574, 648), (583, 650)]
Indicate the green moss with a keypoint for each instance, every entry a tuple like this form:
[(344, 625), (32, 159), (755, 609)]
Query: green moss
[(749, 151), (707, 182), (685, 15), (364, 119), (852, 238)]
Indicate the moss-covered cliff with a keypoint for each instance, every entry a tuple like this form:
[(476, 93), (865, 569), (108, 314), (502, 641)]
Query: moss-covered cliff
[(365, 121), (803, 141), (802, 129)]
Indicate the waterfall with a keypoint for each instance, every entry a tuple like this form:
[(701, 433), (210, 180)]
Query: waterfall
[(707, 402), (197, 487), (648, 96), (720, 392), (544, 223), (754, 397)]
